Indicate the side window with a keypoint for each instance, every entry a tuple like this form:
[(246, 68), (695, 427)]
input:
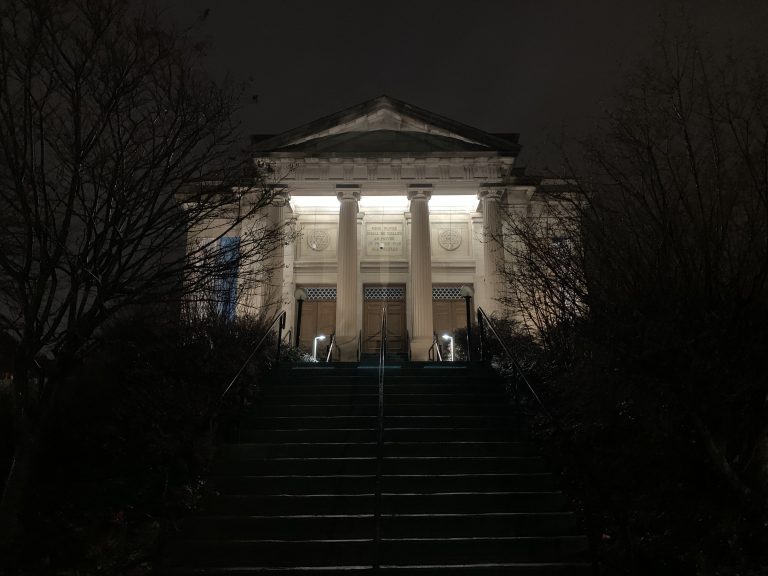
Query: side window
[(225, 285)]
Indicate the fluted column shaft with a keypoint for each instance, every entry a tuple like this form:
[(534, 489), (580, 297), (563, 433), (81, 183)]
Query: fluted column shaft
[(493, 251), (346, 277), (421, 274)]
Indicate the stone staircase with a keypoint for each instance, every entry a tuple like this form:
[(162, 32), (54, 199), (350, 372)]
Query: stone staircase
[(463, 492)]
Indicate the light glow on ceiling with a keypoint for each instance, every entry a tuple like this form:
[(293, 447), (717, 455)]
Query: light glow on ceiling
[(438, 203), (384, 203), (314, 203), (454, 202)]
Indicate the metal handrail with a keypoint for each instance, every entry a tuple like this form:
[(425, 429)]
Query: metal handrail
[(483, 321), (280, 320), (380, 437), (435, 348), (330, 347), (408, 344)]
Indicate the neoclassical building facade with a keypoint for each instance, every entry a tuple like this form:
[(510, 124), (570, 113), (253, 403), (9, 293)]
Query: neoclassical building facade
[(395, 204)]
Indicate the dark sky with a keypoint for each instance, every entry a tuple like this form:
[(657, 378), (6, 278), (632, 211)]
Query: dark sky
[(536, 67)]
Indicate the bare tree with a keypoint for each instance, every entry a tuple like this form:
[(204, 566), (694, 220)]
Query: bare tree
[(114, 149), (666, 255)]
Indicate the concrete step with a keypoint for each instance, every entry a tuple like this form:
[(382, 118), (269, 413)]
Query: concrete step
[(463, 465), (308, 435), (399, 551), (340, 526), (391, 409), (470, 569), (392, 503), (270, 553), (352, 466), (473, 503), (363, 465), (460, 551), (251, 421), (371, 397), (338, 386), (365, 484), (491, 569), (291, 504), (474, 525), (296, 484), (249, 451), (402, 434), (289, 527)]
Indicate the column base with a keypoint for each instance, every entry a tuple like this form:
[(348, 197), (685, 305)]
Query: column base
[(347, 345), (420, 348)]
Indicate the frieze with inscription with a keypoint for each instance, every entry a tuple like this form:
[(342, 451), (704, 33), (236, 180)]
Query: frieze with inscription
[(384, 239)]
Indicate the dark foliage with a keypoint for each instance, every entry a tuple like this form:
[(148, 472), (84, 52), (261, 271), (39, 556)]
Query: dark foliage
[(123, 456), (646, 275)]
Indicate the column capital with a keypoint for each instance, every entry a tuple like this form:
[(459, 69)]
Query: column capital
[(348, 192), (491, 191), (281, 196), (419, 192)]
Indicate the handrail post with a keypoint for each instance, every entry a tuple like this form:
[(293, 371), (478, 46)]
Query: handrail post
[(481, 326), (280, 326), (380, 441), (469, 328), (516, 385)]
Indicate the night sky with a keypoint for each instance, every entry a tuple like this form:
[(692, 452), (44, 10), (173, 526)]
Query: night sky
[(537, 67)]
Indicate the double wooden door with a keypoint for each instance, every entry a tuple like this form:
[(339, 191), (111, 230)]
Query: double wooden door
[(317, 317), (396, 335)]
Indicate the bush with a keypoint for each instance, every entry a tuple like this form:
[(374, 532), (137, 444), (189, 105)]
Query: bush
[(125, 453)]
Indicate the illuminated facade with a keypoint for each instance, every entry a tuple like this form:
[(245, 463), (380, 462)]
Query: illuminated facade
[(392, 203)]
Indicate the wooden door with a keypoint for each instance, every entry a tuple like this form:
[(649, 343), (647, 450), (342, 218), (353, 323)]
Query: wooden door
[(372, 325), (317, 317), (448, 315)]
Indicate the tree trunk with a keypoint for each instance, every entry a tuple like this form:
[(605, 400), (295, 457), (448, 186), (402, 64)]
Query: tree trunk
[(14, 493)]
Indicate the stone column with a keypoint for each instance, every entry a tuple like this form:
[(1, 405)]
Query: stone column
[(421, 272), (259, 288), (273, 297), (347, 272), (493, 252)]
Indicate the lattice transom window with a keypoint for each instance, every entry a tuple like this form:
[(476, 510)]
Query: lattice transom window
[(446, 292), (321, 293), (384, 293)]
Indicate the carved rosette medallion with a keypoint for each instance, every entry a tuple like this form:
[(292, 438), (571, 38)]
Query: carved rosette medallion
[(318, 239), (449, 239)]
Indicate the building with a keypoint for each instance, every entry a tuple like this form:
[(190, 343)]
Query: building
[(391, 203)]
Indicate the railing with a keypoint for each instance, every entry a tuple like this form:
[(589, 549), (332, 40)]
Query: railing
[(330, 347), (434, 350), (280, 321), (518, 375), (408, 344), (380, 437)]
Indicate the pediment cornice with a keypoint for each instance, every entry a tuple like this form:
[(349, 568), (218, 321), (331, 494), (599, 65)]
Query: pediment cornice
[(384, 115)]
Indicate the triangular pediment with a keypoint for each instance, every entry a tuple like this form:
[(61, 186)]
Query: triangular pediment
[(384, 125)]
